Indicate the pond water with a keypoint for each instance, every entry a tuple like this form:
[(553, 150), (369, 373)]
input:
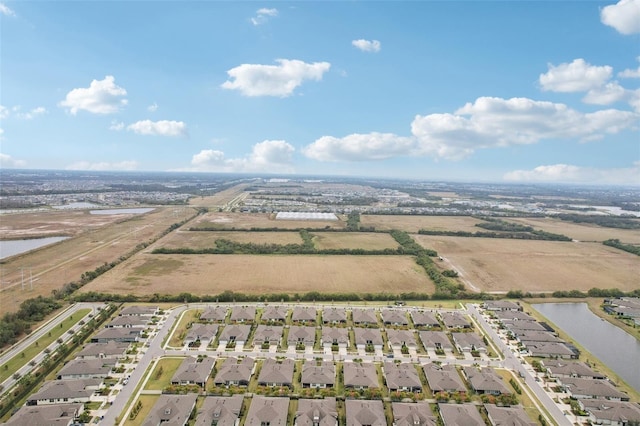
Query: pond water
[(12, 247), (616, 348), (74, 206), (140, 210)]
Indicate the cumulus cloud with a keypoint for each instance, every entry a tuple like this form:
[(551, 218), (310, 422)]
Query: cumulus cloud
[(8, 162), (153, 107), (360, 147), (566, 173), (159, 128), (101, 97), (263, 15), (6, 11), (577, 76), (16, 112), (606, 94), (266, 156), (273, 80), (629, 73), (116, 125), (367, 45), (103, 166), (624, 16)]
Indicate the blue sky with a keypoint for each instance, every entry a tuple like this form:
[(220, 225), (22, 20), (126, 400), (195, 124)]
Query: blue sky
[(506, 91)]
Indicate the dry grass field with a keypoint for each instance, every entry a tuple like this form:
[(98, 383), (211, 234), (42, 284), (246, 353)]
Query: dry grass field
[(229, 221), (351, 240), (205, 239), (539, 266), (581, 232), (415, 223), (211, 274), (220, 199)]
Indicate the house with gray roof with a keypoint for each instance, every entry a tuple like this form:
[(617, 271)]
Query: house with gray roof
[(301, 334), (235, 372), (397, 317), (399, 338), (412, 414), (304, 314), (129, 321), (140, 310), (453, 320), (401, 377), (234, 333), (316, 412), (532, 336), (274, 314), (365, 413), (269, 334), (214, 313), (267, 411), (501, 305), (220, 411), (443, 378), (591, 388), (435, 341), (561, 368), (193, 371), (127, 335), (358, 375), (513, 315), (87, 369), (335, 335), (364, 317), (276, 372), (334, 315), (508, 416), (424, 319), (110, 349), (485, 380), (607, 412), (551, 350), (516, 326), (468, 342), (460, 415), (318, 374), (203, 333), (368, 337), (173, 410), (243, 314), (49, 415), (65, 391)]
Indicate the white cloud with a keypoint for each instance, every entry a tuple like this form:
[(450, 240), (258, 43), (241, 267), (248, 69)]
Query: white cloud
[(32, 114), (263, 15), (367, 45), (116, 125), (6, 11), (629, 73), (159, 128), (101, 97), (4, 112), (267, 156), (153, 107), (624, 16), (578, 76), (103, 166), (565, 173), (6, 161), (606, 95), (273, 80), (360, 147)]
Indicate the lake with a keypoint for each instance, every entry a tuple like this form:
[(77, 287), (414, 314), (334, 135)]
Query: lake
[(123, 211), (10, 248)]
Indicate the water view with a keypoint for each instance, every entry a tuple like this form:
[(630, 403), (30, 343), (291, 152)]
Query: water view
[(123, 211), (10, 248)]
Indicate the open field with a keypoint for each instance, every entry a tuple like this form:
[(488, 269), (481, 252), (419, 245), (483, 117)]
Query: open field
[(537, 266), (353, 240), (53, 266), (205, 239), (230, 221), (581, 232), (161, 375), (414, 223), (211, 274), (221, 199)]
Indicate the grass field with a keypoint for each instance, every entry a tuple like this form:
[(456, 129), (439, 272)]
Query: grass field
[(147, 404), (581, 232), (537, 266), (230, 221), (161, 375), (212, 274), (412, 224), (181, 328), (352, 240), (205, 239)]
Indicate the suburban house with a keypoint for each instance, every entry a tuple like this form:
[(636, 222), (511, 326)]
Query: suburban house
[(516, 326), (234, 333), (435, 341), (364, 317), (65, 391), (624, 307), (301, 334), (592, 388), (334, 335), (321, 374), (220, 411), (214, 314), (316, 412), (276, 372), (412, 414), (368, 337), (485, 380), (127, 335), (505, 416), (513, 315), (243, 314), (193, 371), (333, 315), (401, 377), (501, 305), (140, 310), (203, 333), (87, 369), (273, 314), (235, 372), (111, 349), (304, 314), (424, 319), (453, 320), (528, 337), (615, 413), (128, 321), (551, 350), (469, 342), (399, 338), (365, 413), (267, 411), (460, 414), (173, 410), (443, 378), (58, 415), (396, 317), (560, 368), (359, 375), (269, 334)]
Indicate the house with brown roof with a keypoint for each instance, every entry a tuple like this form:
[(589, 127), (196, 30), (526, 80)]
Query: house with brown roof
[(443, 378), (304, 314), (460, 414), (401, 377), (364, 317), (243, 314), (368, 337), (453, 320), (301, 335), (508, 416), (334, 315), (358, 375), (214, 314), (234, 333), (424, 319), (591, 388), (203, 333), (87, 369), (276, 372), (469, 342), (268, 334), (110, 349), (399, 338), (220, 411), (316, 412), (397, 317), (335, 335), (435, 341), (193, 371), (65, 391), (235, 372), (318, 374), (173, 410), (267, 411), (274, 314), (607, 412), (365, 413), (561, 368), (412, 414), (50, 415), (485, 380)]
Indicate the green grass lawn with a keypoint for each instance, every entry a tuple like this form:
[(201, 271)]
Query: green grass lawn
[(181, 329), (147, 404), (18, 361), (161, 375)]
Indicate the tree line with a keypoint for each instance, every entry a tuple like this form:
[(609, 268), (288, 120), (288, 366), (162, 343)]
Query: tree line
[(614, 242)]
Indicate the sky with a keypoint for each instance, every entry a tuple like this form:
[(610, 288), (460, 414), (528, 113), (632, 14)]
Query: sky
[(487, 91)]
